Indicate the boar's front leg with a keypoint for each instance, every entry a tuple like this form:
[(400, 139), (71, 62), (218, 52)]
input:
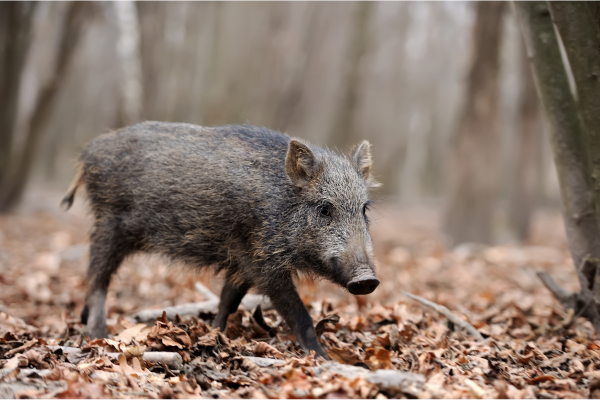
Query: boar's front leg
[(231, 297), (287, 302)]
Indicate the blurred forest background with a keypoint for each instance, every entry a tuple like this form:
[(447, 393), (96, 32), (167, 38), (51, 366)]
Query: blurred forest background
[(469, 215), (442, 90)]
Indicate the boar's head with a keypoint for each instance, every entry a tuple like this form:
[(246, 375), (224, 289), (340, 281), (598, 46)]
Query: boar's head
[(332, 235)]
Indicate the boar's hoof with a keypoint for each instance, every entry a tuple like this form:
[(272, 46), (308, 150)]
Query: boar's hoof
[(363, 285)]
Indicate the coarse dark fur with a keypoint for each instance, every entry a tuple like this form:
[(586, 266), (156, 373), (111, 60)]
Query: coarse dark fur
[(255, 204)]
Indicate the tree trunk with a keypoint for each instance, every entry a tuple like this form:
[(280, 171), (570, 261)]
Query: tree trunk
[(578, 32), (15, 37), (342, 132), (286, 110), (13, 186), (151, 19), (528, 156), (128, 48), (594, 7), (472, 181), (215, 111), (569, 144)]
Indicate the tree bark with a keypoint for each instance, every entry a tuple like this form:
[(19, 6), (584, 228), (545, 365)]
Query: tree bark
[(342, 132), (286, 110), (528, 156), (15, 37), (128, 48), (568, 141), (472, 181), (578, 32), (594, 7), (13, 186)]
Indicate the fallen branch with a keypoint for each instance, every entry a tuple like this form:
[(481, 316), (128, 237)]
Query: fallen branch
[(446, 313), (24, 347), (170, 359), (562, 295), (393, 383), (249, 303), (566, 322), (205, 292), (475, 389), (209, 306), (264, 362)]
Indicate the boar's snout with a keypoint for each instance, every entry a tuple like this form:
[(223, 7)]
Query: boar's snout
[(364, 285)]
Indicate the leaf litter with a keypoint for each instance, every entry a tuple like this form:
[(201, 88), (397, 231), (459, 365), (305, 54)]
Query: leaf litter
[(383, 345)]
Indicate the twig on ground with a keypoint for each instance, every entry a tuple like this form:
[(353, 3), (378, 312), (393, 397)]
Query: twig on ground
[(394, 383), (562, 295), (205, 292), (475, 389), (24, 347), (446, 313), (181, 309), (249, 303), (170, 359), (566, 322)]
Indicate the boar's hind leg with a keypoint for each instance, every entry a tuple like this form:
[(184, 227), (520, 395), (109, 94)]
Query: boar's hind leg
[(107, 251), (287, 302), (231, 297)]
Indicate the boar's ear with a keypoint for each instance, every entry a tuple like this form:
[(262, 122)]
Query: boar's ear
[(361, 158), (301, 164)]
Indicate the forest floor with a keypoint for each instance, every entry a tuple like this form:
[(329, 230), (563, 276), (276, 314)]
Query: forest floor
[(388, 344)]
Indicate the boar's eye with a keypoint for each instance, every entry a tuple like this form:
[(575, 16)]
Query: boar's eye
[(326, 212), (365, 209)]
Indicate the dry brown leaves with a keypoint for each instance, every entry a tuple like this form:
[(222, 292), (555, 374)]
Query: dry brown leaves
[(533, 348), (164, 336)]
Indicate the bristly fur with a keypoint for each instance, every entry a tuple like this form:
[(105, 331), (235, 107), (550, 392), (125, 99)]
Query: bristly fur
[(258, 205)]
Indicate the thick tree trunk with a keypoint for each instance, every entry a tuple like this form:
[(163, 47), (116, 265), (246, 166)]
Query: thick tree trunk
[(569, 143), (15, 36), (12, 188), (594, 7), (578, 32), (472, 180), (528, 156)]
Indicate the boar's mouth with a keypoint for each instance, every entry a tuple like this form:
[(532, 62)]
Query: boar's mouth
[(364, 285)]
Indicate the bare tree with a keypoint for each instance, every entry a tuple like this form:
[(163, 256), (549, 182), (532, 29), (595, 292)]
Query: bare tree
[(15, 37), (573, 134), (526, 179), (393, 75), (12, 187), (286, 110), (472, 178), (342, 132), (128, 48)]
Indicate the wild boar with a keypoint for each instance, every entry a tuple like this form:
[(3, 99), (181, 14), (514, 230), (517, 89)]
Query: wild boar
[(256, 205)]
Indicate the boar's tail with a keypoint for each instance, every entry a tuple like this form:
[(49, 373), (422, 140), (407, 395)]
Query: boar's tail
[(67, 201)]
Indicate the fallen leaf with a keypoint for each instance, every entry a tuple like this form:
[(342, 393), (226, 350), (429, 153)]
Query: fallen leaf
[(138, 332)]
